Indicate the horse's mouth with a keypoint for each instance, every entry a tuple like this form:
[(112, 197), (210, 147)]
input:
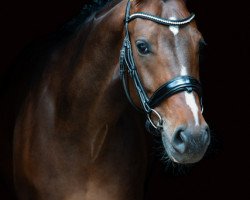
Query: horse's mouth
[(188, 157)]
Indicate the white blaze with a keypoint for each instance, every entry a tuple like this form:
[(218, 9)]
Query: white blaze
[(174, 29), (190, 99)]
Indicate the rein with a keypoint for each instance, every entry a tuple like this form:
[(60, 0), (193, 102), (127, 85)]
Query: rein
[(127, 64)]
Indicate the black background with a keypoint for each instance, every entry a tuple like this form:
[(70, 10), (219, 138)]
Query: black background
[(225, 76)]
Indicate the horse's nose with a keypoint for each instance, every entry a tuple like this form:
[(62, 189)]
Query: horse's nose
[(191, 140)]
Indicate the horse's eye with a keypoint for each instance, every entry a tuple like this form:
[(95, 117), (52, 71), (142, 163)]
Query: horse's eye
[(143, 47)]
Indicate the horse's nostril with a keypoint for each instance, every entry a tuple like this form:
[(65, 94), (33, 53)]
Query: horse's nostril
[(189, 140), (179, 141)]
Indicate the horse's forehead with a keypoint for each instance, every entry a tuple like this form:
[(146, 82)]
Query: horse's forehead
[(174, 9), (165, 9), (168, 9), (156, 32)]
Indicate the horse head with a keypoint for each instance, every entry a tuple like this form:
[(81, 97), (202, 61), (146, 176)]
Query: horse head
[(161, 53)]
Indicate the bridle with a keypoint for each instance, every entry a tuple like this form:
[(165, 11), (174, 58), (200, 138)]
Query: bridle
[(176, 85)]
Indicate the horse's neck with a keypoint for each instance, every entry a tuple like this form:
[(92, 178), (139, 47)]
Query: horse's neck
[(78, 109), (91, 74), (98, 103), (90, 95)]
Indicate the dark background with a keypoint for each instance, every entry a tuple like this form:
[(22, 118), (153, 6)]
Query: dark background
[(224, 172)]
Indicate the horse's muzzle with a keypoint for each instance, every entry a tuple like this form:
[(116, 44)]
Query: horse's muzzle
[(188, 145)]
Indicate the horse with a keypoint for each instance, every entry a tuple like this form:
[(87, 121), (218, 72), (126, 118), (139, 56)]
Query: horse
[(77, 135)]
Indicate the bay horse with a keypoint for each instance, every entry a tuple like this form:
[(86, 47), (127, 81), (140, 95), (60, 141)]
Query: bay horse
[(76, 135)]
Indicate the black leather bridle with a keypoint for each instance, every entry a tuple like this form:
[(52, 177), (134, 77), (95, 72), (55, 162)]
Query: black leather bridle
[(176, 85)]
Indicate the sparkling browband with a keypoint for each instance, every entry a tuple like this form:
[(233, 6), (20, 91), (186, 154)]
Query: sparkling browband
[(160, 20)]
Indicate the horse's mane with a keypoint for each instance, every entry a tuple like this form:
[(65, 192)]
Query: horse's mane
[(87, 10)]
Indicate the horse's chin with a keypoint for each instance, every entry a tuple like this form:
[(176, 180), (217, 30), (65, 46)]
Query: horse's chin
[(179, 158)]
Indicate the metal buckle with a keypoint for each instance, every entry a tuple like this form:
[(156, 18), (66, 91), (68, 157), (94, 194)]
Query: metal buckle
[(159, 125)]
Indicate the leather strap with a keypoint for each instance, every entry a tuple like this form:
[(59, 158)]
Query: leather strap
[(176, 85)]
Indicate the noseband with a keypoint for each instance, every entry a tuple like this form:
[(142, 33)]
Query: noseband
[(176, 85)]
